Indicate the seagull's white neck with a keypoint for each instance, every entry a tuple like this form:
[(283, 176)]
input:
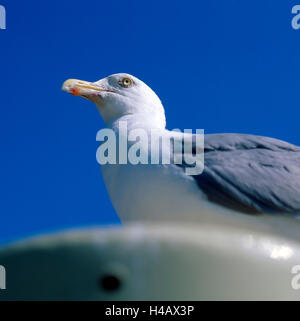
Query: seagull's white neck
[(140, 121)]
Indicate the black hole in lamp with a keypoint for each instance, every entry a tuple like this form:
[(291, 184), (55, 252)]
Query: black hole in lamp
[(110, 282)]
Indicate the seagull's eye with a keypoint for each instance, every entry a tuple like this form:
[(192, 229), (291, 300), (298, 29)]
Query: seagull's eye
[(126, 82)]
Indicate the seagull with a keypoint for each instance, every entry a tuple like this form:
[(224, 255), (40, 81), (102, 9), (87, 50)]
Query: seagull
[(243, 175)]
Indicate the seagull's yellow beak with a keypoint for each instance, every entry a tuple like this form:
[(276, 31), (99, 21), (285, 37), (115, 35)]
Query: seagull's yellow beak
[(82, 88)]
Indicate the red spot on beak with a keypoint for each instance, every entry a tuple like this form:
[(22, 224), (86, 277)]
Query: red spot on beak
[(74, 91)]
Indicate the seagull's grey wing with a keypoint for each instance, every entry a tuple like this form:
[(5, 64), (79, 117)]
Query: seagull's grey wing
[(250, 173)]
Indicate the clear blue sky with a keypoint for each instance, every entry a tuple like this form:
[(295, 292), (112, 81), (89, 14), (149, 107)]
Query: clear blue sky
[(225, 66)]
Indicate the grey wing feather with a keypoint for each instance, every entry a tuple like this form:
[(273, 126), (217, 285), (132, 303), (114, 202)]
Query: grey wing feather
[(250, 173)]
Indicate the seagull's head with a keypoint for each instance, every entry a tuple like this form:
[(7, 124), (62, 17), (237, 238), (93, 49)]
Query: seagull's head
[(120, 95)]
